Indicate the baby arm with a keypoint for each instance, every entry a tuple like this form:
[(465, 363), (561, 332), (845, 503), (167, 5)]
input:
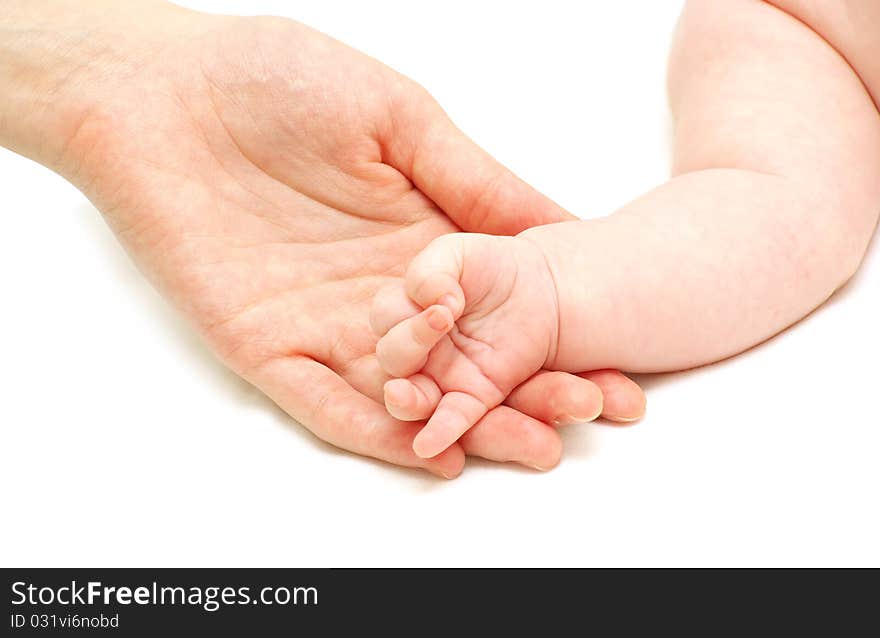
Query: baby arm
[(775, 195)]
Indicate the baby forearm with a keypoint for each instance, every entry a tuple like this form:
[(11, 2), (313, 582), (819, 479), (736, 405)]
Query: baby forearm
[(701, 268), (775, 195)]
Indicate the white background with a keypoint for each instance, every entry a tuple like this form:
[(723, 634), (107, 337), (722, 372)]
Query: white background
[(125, 443)]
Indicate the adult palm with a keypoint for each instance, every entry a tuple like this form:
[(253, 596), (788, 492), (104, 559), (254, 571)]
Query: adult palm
[(270, 180)]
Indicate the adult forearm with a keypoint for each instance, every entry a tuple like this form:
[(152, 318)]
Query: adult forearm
[(57, 58), (44, 49)]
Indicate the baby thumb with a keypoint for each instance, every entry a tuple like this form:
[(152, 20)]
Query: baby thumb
[(433, 275)]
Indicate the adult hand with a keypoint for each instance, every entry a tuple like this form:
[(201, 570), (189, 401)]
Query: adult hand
[(269, 180)]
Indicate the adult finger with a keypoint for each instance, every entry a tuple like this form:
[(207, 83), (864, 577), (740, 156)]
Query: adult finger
[(468, 184), (623, 400), (324, 403), (504, 434), (557, 398)]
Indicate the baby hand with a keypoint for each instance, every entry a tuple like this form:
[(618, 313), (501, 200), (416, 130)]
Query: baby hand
[(476, 316)]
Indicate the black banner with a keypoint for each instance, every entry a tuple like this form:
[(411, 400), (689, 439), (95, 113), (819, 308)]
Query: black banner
[(266, 602)]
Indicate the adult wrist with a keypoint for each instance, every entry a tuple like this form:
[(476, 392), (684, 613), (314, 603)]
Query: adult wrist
[(55, 60)]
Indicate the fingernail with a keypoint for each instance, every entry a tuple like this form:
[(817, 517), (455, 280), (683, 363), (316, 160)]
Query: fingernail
[(539, 468), (436, 319), (620, 419), (567, 419)]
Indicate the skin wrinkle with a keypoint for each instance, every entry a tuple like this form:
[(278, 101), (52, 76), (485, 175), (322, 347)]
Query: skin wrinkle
[(348, 367), (461, 262), (80, 153), (390, 134), (312, 195), (479, 299), (324, 399), (293, 187), (553, 344), (263, 199), (500, 395), (232, 175), (478, 210), (82, 121), (394, 132), (806, 23)]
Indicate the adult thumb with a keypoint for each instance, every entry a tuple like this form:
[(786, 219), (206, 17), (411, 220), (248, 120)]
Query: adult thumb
[(469, 185)]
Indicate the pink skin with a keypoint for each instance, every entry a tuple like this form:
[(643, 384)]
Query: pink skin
[(494, 326), (270, 181), (770, 208)]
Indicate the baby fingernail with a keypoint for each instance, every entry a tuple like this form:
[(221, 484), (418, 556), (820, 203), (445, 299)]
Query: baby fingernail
[(436, 319)]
